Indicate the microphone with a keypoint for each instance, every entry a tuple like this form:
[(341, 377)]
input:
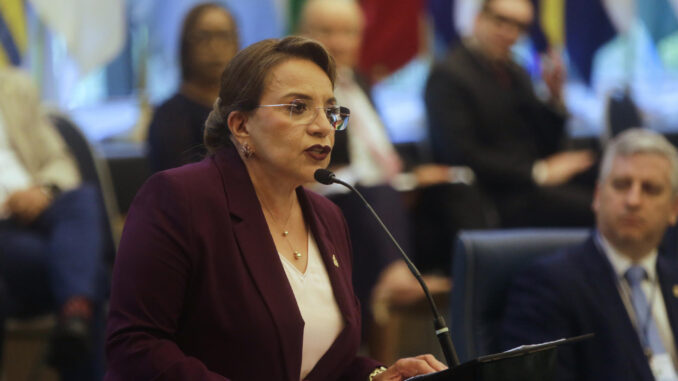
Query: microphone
[(325, 176)]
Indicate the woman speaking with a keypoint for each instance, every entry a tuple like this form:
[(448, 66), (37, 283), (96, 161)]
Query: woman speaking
[(229, 269)]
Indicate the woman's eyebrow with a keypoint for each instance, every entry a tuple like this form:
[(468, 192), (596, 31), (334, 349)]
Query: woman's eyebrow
[(306, 97), (298, 96)]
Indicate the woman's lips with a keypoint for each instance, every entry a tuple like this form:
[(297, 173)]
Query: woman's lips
[(318, 152)]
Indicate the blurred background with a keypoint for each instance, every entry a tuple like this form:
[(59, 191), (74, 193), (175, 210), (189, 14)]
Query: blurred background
[(108, 62)]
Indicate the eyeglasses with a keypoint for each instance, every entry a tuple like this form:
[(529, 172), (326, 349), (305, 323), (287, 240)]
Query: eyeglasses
[(301, 113), (502, 20), (207, 36)]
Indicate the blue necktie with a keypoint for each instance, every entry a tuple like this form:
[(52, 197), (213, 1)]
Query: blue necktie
[(646, 326)]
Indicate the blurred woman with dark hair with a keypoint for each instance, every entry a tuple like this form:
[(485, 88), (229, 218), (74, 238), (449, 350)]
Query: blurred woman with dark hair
[(209, 39)]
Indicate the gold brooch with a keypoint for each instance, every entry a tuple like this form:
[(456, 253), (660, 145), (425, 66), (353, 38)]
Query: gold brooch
[(336, 263), (675, 290)]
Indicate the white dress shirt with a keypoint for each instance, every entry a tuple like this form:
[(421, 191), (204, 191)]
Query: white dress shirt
[(13, 174), (650, 287), (322, 318), (374, 160)]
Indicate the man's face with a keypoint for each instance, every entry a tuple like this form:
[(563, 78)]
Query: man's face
[(500, 25), (635, 204), (339, 26)]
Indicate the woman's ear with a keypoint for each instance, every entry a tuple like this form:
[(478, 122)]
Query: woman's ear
[(237, 124)]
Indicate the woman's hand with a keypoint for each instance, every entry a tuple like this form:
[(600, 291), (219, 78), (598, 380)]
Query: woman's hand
[(410, 367)]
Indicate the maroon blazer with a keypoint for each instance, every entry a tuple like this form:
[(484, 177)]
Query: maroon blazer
[(199, 291)]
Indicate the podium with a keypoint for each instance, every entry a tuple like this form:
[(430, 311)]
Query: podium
[(525, 363)]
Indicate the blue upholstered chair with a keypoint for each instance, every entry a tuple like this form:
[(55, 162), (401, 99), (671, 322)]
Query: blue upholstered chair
[(484, 263)]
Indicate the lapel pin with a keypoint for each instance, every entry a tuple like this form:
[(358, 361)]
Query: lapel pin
[(336, 263), (675, 290)]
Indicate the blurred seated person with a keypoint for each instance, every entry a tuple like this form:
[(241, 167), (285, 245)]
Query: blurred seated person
[(209, 39), (618, 284), (229, 269), (50, 232), (483, 113), (365, 157)]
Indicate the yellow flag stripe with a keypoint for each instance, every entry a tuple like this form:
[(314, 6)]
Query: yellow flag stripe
[(13, 15), (552, 20)]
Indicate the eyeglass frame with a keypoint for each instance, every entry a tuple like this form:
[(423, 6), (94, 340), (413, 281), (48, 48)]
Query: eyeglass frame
[(341, 109), (204, 37), (500, 19)]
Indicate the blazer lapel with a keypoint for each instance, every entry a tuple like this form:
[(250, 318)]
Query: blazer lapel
[(260, 256), (341, 285), (667, 270), (340, 278), (603, 283)]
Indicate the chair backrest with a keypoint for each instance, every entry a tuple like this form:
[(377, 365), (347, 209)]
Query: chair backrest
[(622, 113), (484, 263), (94, 170)]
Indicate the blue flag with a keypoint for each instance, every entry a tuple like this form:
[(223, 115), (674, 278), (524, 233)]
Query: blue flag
[(12, 32)]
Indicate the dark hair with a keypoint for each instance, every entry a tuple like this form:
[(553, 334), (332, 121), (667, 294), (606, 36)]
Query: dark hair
[(188, 27), (243, 80)]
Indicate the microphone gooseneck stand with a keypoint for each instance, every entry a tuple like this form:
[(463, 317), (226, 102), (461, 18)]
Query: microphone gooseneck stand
[(326, 177)]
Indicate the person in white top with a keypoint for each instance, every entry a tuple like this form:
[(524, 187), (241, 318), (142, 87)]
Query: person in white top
[(365, 157), (51, 232), (619, 284)]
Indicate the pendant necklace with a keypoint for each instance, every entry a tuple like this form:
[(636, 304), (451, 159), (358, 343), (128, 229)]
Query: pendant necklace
[(285, 232)]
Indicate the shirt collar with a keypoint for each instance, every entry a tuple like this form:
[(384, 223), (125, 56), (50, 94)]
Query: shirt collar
[(621, 263)]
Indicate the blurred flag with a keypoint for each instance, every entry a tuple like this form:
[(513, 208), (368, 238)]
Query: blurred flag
[(552, 21), (452, 20), (94, 30), (658, 16), (584, 26), (12, 32), (392, 35), (621, 13), (587, 27), (442, 16), (294, 8)]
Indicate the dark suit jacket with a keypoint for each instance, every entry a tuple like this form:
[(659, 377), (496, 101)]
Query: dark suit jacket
[(175, 133), (497, 130), (574, 292), (487, 116), (199, 292)]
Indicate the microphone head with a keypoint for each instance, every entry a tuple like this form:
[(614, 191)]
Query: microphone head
[(324, 176)]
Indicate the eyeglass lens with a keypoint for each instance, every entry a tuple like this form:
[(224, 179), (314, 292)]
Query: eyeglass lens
[(336, 115)]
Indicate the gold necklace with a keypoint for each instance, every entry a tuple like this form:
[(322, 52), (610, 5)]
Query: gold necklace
[(285, 232)]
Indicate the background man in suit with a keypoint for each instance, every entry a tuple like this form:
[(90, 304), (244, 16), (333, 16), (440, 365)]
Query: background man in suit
[(365, 156), (483, 112), (616, 285), (50, 232)]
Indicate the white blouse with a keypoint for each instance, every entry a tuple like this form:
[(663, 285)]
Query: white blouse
[(13, 174), (322, 319)]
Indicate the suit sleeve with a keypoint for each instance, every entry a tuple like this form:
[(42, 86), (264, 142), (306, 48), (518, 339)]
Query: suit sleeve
[(149, 285), (536, 312), (360, 367), (170, 137)]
